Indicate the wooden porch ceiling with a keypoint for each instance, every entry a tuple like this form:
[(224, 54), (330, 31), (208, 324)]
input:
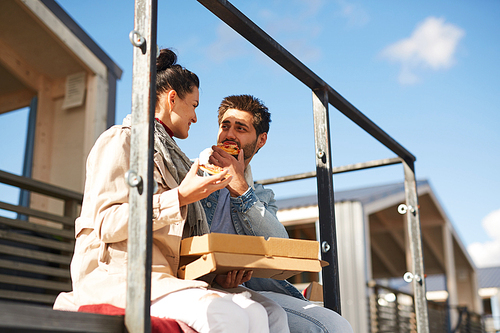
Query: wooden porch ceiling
[(387, 238), (30, 56)]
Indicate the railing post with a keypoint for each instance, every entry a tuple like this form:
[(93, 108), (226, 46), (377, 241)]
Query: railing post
[(24, 195), (377, 307), (71, 210), (415, 238), (397, 314), (140, 175), (326, 202)]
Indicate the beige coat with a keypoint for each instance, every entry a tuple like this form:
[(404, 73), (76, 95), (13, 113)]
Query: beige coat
[(99, 265)]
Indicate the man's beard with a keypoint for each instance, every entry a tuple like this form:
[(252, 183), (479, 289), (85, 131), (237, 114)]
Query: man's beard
[(249, 150)]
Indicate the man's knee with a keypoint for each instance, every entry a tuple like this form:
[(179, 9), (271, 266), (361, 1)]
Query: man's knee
[(317, 320), (278, 318), (344, 325)]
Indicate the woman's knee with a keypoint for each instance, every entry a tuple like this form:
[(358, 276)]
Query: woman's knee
[(223, 315), (255, 312), (257, 315)]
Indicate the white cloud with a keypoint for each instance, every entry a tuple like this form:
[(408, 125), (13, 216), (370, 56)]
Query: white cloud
[(487, 254), (229, 44), (295, 28), (310, 7), (302, 50), (432, 44), (355, 15), (491, 223)]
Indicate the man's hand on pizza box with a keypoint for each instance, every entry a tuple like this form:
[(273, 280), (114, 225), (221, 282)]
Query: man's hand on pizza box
[(233, 278)]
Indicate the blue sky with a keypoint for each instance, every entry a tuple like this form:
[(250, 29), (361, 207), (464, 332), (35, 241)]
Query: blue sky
[(426, 72)]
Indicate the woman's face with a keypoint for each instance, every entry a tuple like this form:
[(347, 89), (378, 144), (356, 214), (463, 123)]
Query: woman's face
[(182, 112)]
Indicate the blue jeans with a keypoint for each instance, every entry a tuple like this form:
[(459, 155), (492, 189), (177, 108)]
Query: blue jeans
[(306, 317)]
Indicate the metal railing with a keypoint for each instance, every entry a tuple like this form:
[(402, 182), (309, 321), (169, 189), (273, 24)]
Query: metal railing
[(392, 310), (324, 95), (36, 246), (468, 322), (491, 323)]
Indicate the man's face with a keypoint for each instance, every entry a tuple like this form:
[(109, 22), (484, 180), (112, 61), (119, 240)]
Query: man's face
[(237, 126)]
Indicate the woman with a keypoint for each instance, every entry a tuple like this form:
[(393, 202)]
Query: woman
[(99, 264)]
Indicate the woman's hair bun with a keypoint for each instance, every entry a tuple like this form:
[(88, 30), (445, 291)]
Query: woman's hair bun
[(166, 59), (170, 75)]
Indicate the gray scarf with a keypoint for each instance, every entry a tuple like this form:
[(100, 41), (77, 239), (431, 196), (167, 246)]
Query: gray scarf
[(178, 164)]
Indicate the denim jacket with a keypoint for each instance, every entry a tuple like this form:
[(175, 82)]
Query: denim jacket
[(254, 213)]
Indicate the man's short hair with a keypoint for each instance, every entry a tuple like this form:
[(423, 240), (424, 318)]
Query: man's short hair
[(248, 103)]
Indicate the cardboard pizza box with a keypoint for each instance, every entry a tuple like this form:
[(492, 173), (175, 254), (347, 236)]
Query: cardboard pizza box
[(228, 243), (277, 258), (279, 268)]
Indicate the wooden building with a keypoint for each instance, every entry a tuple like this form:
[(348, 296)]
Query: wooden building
[(48, 63), (373, 245)]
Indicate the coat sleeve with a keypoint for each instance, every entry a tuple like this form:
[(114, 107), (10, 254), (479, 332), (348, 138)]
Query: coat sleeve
[(107, 164)]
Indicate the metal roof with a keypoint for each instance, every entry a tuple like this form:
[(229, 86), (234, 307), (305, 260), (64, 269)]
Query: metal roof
[(363, 195), (489, 277)]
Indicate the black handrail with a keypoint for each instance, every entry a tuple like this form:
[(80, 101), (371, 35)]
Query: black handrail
[(259, 38), (39, 187)]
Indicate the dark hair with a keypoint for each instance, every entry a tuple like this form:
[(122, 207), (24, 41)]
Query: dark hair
[(172, 76), (261, 115)]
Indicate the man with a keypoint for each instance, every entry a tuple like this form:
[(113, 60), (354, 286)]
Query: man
[(246, 208)]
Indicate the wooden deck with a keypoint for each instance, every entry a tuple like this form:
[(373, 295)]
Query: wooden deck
[(34, 318), (35, 252)]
